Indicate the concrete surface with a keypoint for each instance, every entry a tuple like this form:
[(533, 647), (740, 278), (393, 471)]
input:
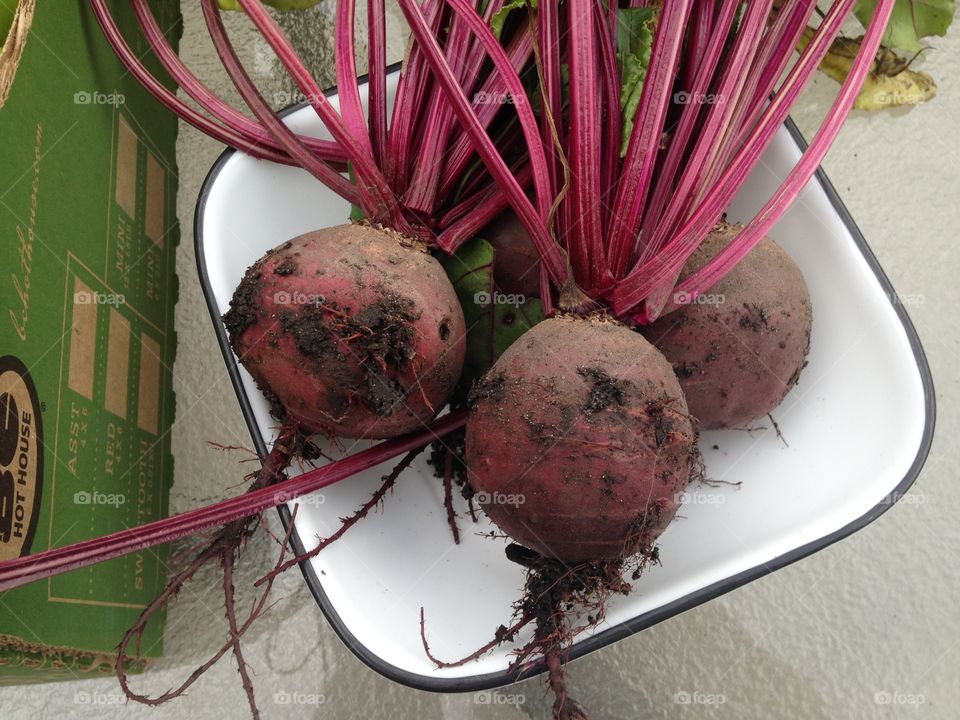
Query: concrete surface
[(869, 628)]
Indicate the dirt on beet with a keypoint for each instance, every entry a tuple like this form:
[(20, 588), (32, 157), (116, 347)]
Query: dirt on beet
[(662, 425), (367, 349), (491, 386), (277, 409), (242, 313), (381, 335), (754, 318), (288, 266), (604, 391)]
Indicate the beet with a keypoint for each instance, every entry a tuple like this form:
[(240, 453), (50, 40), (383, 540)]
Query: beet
[(740, 347), (352, 330), (578, 442), (516, 265)]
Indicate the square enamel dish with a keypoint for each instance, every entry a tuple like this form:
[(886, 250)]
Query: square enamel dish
[(859, 426)]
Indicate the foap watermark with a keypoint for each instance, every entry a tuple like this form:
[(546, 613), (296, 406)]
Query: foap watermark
[(93, 497), (698, 698), (498, 298), (282, 297), (97, 697), (495, 698), (495, 98), (92, 297), (283, 98), (913, 300), (898, 97), (904, 498), (85, 97), (685, 98), (687, 298), (313, 499), (897, 697), (499, 498), (700, 498), (285, 697)]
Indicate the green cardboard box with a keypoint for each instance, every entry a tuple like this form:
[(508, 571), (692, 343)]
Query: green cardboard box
[(88, 232)]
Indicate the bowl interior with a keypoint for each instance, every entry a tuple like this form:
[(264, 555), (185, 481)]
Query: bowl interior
[(854, 427)]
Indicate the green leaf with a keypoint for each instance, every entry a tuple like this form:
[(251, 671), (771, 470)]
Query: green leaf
[(278, 4), (356, 212), (494, 320), (635, 28), (499, 18), (910, 21)]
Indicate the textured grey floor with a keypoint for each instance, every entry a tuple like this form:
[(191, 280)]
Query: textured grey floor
[(824, 638)]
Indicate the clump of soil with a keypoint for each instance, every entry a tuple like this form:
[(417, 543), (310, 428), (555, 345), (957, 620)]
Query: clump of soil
[(662, 425), (287, 267), (382, 332), (605, 390), (491, 386), (381, 336), (242, 313), (754, 317)]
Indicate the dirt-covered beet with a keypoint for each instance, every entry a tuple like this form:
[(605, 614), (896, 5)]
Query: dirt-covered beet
[(516, 265), (351, 330), (579, 443), (740, 347)]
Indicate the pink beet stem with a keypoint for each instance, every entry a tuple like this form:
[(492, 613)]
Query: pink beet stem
[(370, 179), (407, 105), (209, 101), (421, 192), (348, 89), (531, 219), (612, 116), (461, 151), (485, 207), (169, 99), (714, 134), (21, 571), (377, 79), (638, 166), (518, 96), (584, 238), (702, 25), (668, 261), (678, 153), (286, 137), (804, 169)]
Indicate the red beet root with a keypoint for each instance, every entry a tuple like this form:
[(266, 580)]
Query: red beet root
[(739, 348), (516, 266), (579, 443), (351, 330)]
